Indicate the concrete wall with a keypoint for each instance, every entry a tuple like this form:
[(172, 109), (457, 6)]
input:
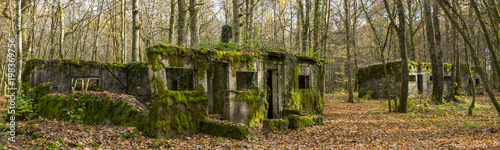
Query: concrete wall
[(64, 75), (375, 86)]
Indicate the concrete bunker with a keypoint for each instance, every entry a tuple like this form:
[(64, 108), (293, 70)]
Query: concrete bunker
[(183, 86), (371, 80)]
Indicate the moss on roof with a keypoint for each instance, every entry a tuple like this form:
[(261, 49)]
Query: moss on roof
[(243, 55)]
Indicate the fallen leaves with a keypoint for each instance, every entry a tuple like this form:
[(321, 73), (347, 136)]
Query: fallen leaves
[(361, 125)]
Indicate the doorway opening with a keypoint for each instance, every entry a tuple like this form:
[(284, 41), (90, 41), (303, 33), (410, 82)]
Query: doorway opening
[(420, 84), (270, 90)]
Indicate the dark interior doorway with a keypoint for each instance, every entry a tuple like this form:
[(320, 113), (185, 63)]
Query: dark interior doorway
[(420, 84), (269, 77)]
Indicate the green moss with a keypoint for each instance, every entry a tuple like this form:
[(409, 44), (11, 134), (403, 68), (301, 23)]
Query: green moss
[(157, 84), (292, 94), (176, 61), (254, 99), (274, 125), (297, 122), (181, 111), (42, 89), (88, 109), (219, 129), (28, 68)]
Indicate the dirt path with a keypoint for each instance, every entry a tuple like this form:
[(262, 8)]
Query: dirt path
[(360, 125)]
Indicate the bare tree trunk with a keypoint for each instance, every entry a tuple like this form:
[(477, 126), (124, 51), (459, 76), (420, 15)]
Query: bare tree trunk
[(181, 32), (123, 34), (348, 48), (236, 21), (61, 26), (473, 91), (300, 21), (307, 25), (135, 31), (317, 22), (327, 28), (432, 50), (53, 32), (404, 59), (193, 24), (400, 30), (171, 21), (411, 18), (19, 46), (439, 79), (96, 36)]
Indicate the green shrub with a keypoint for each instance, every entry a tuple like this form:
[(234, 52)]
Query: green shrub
[(220, 129)]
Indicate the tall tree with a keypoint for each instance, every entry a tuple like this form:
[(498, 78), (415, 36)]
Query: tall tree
[(348, 48), (181, 20), (193, 23), (171, 21), (439, 79), (445, 5), (122, 34), (19, 45), (236, 21), (400, 30), (432, 50), (317, 23), (136, 26), (96, 31), (61, 28), (300, 31)]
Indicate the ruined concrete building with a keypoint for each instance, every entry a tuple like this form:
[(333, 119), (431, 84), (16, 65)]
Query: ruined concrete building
[(371, 80), (181, 86)]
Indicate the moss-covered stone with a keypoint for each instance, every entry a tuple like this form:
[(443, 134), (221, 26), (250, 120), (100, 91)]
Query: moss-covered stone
[(297, 122), (274, 125), (258, 105), (220, 129), (89, 108), (175, 113), (42, 89)]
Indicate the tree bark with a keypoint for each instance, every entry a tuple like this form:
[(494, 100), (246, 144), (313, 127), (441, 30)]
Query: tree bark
[(193, 24), (404, 59), (136, 26), (181, 32), (439, 79), (300, 33), (96, 36), (432, 49), (171, 21), (19, 45), (400, 30), (236, 22), (348, 48), (123, 35), (317, 22)]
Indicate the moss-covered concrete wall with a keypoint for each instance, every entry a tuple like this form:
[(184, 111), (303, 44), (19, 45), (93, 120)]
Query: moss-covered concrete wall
[(178, 113), (65, 74), (91, 108), (175, 113), (371, 80), (308, 100)]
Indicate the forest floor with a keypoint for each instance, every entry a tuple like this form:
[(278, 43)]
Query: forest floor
[(365, 124)]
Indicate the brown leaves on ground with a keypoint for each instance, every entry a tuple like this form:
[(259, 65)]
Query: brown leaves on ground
[(361, 125)]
